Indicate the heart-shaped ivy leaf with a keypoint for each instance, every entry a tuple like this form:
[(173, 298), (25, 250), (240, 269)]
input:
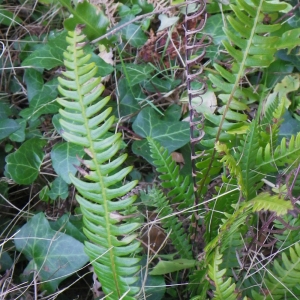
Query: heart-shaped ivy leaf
[(53, 255), (24, 164), (169, 133)]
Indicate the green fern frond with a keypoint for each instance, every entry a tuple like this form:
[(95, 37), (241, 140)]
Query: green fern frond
[(111, 241), (283, 156), (290, 236), (245, 155), (230, 162), (208, 167), (282, 282), (223, 290), (264, 201), (170, 223), (181, 189), (250, 46), (227, 195), (234, 223), (269, 127), (236, 241)]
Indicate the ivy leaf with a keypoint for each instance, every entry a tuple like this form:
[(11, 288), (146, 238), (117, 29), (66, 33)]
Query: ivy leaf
[(7, 127), (166, 22), (59, 189), (54, 255), (289, 126), (128, 96), (19, 135), (136, 73), (71, 225), (5, 109), (24, 164), (34, 82), (49, 55), (132, 33), (289, 40), (292, 57), (161, 85), (64, 157), (214, 28), (44, 102), (170, 134), (86, 13), (104, 68)]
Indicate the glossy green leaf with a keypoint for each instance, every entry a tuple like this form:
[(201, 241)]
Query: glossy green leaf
[(70, 225), (132, 33), (5, 109), (24, 164), (170, 134), (128, 96), (289, 126), (54, 255), (59, 189), (85, 13), (136, 73), (6, 261), (19, 135), (49, 55), (214, 28), (165, 267), (64, 158), (34, 82), (43, 102), (7, 127), (291, 57), (161, 85)]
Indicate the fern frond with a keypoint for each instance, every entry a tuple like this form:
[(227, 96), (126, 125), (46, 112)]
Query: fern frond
[(111, 241), (227, 195), (290, 236), (233, 223), (170, 223), (251, 180), (269, 161), (223, 289), (269, 127), (181, 188), (249, 45), (208, 168), (282, 282), (230, 162)]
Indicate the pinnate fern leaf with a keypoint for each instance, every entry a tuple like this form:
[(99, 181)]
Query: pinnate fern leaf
[(281, 282), (234, 222), (223, 288), (181, 189), (283, 156), (170, 223), (85, 122)]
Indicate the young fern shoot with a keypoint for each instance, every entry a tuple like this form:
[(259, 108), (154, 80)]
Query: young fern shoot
[(85, 122)]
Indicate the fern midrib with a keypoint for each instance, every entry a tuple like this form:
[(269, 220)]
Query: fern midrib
[(236, 84), (102, 185)]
